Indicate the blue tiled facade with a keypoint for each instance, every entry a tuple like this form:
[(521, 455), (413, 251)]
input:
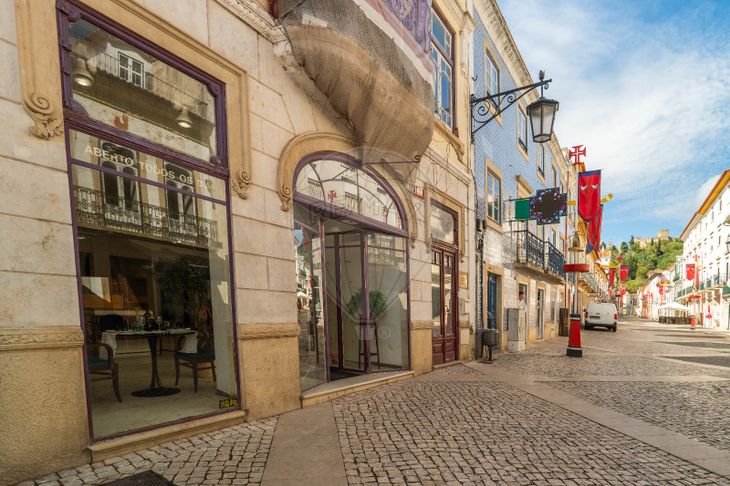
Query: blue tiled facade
[(498, 142)]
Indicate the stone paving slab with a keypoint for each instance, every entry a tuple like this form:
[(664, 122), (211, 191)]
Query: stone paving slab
[(433, 432)]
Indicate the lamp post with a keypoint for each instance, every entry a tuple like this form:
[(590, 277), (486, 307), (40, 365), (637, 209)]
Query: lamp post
[(573, 268), (541, 112)]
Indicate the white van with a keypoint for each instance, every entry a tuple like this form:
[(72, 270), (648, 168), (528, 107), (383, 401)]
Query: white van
[(601, 314)]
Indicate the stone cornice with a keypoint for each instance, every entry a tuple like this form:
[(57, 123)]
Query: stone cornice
[(267, 331), (256, 16), (40, 337)]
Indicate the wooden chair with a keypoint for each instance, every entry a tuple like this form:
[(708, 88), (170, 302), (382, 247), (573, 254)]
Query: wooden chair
[(205, 355), (105, 368)]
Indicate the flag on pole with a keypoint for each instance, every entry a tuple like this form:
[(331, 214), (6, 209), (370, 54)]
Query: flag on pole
[(593, 228), (624, 273), (589, 194)]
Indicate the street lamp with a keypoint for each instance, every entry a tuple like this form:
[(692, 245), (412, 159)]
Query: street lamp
[(541, 112)]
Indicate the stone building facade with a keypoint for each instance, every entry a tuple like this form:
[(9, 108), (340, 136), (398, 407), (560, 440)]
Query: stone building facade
[(204, 221)]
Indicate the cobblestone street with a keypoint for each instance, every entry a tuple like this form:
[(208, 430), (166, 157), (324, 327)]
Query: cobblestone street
[(626, 413)]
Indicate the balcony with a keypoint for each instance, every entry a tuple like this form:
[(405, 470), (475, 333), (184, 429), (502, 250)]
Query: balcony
[(532, 253), (97, 210), (372, 65)]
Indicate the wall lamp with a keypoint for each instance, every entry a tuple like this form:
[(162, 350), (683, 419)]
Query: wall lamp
[(541, 112)]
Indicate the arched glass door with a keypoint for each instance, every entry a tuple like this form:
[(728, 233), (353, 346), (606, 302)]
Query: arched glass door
[(363, 275)]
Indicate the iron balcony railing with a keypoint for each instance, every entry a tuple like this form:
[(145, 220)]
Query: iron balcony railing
[(554, 260), (533, 251), (98, 210), (530, 249)]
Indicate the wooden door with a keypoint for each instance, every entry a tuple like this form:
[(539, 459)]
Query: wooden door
[(445, 331)]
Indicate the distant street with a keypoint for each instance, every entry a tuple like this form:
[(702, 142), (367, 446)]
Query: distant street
[(645, 405)]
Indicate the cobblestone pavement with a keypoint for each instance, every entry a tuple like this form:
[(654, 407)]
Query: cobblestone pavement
[(490, 433), (234, 455), (692, 409), (480, 424)]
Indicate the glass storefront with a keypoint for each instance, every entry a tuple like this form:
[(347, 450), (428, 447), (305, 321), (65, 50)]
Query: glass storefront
[(352, 274), (152, 232)]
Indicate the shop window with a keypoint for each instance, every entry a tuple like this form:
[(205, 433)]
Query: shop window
[(152, 225), (115, 82)]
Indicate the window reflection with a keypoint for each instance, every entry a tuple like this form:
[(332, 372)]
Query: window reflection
[(349, 188), (123, 86)]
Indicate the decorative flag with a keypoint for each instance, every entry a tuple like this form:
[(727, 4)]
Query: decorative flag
[(522, 208), (548, 206), (624, 273), (611, 276), (576, 151), (593, 228), (589, 194), (690, 269)]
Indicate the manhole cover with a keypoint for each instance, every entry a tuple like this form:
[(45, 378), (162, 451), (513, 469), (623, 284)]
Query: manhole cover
[(698, 344), (145, 478), (710, 360)]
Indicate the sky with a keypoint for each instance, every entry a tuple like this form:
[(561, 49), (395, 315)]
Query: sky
[(645, 86)]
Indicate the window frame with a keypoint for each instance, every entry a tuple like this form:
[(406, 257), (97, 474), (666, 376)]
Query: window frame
[(540, 152), (522, 129), (75, 116), (490, 62), (76, 119), (497, 204), (450, 58)]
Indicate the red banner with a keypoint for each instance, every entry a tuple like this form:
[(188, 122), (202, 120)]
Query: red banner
[(611, 276), (589, 194), (593, 228), (624, 274), (690, 271)]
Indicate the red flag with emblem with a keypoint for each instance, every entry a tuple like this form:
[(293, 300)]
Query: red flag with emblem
[(611, 276), (624, 273), (589, 194), (690, 271)]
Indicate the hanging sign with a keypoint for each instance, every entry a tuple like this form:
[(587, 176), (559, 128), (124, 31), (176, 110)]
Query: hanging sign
[(589, 194), (690, 269), (522, 208), (548, 206)]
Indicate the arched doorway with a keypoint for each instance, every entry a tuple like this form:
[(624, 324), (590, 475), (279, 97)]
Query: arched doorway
[(352, 270)]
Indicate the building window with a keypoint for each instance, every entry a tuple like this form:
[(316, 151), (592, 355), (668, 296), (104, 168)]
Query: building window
[(494, 197), (555, 177), (442, 56), (522, 129), (492, 75), (131, 70), (541, 159), (151, 215)]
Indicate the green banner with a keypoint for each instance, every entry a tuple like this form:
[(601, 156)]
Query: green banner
[(522, 208)]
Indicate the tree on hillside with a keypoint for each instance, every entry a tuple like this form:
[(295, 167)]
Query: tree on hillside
[(656, 256)]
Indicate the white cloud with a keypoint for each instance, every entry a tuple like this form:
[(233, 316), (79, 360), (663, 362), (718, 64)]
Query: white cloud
[(649, 101), (704, 190)]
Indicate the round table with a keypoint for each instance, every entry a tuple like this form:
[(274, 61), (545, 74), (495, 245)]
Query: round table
[(156, 389)]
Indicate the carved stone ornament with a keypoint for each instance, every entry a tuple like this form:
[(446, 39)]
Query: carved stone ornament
[(39, 66), (241, 183)]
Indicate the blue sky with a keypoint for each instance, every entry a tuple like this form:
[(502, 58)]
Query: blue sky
[(645, 85)]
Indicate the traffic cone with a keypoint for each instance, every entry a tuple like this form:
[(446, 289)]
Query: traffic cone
[(574, 349)]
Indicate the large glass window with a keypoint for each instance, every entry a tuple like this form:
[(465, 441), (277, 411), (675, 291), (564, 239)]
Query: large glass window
[(121, 85), (494, 197), (443, 224), (152, 233), (341, 186), (442, 56)]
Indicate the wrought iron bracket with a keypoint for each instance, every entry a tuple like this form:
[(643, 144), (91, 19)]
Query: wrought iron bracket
[(484, 109)]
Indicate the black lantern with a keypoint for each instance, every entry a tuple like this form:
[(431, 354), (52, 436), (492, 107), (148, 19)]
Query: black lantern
[(542, 116)]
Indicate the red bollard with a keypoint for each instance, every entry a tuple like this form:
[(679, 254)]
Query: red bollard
[(692, 321), (574, 349)]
